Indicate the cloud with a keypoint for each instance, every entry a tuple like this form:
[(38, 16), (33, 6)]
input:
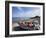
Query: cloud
[(20, 9), (29, 13)]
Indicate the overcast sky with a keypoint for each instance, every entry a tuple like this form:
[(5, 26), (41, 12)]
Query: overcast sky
[(25, 11)]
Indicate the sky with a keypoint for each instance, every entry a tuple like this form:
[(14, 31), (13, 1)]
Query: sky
[(25, 11)]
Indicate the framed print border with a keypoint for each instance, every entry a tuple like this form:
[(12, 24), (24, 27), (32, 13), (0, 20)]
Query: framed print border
[(7, 18)]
